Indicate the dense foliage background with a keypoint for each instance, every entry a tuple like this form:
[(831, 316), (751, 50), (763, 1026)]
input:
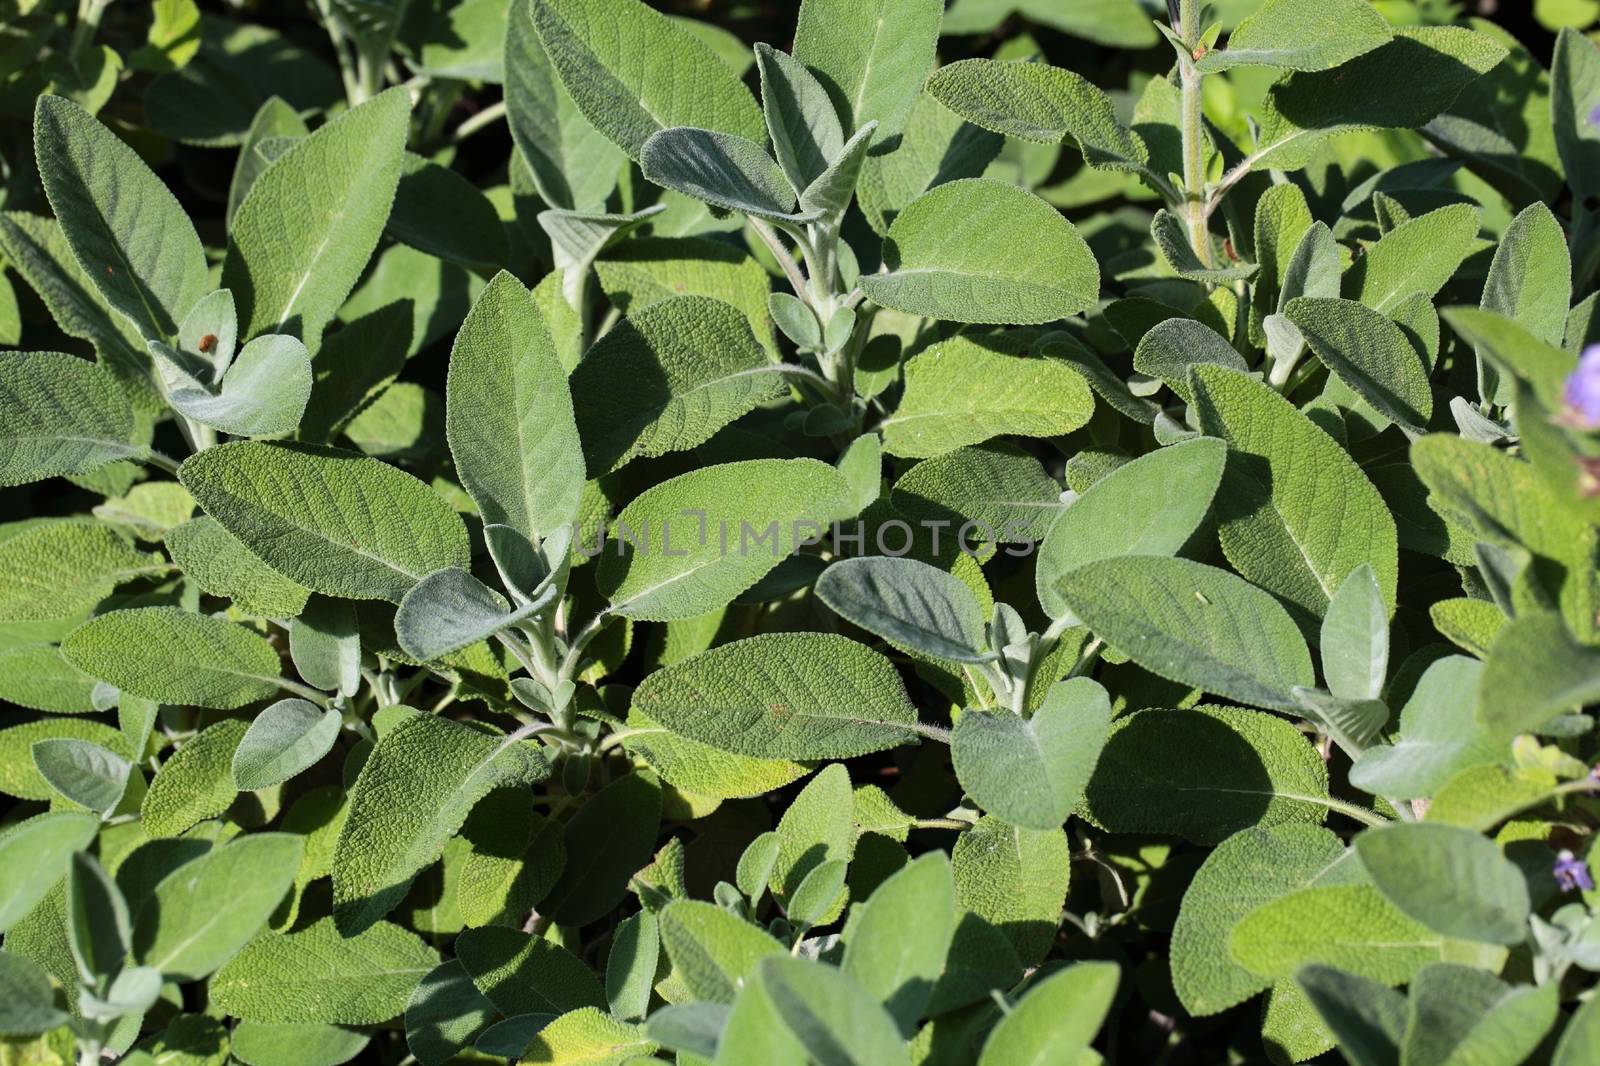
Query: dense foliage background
[(1168, 435)]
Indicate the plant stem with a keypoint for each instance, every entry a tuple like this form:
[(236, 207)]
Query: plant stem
[(303, 691), (791, 270), (487, 117), (1193, 129), (160, 459), (89, 12)]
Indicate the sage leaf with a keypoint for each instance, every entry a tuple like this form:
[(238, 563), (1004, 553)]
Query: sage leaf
[(1364, 935), (1438, 735), (951, 254), (168, 655), (806, 130), (60, 415), (1371, 355), (607, 842), (335, 522), (722, 169), (629, 93), (908, 603), (263, 394), (284, 740), (84, 772), (62, 569), (783, 696), (1301, 35), (898, 944), (1057, 1018), (196, 783), (713, 951), (831, 1015), (38, 849), (1452, 880), (443, 769), (1535, 671), (1032, 772), (1355, 638), (1194, 624), (1012, 880), (872, 57)]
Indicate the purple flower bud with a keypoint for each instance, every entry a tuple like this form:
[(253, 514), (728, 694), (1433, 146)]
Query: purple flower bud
[(1594, 115), (1582, 394), (1571, 872)]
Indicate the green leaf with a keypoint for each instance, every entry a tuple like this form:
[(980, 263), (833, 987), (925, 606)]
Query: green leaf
[(909, 604), (783, 696), (19, 778), (648, 270), (36, 676), (631, 966), (998, 486), (721, 169), (629, 91), (701, 769), (1458, 1013), (302, 237), (607, 842), (1205, 773), (284, 740), (1578, 1042), (1452, 880), (1057, 1018), (450, 609), (831, 1015), (509, 414), (704, 537), (1437, 737), (521, 973), (337, 523), (1151, 506), (60, 415), (37, 850), (1249, 869), (819, 897), (1194, 624), (1350, 926), (1355, 639), (1301, 35), (807, 135), (817, 828), (326, 645), (573, 165), (168, 655), (588, 1037), (316, 975), (899, 937), (1530, 276), (1015, 880), (194, 784), (204, 912), (1284, 477), (670, 375), (953, 254), (274, 119), (129, 234), (1574, 81), (1038, 102), (871, 56), (1400, 85), (1419, 255), (62, 569), (1370, 354), (713, 951), (439, 211), (1368, 1018), (445, 1014), (1033, 771), (1535, 671), (27, 1002), (1171, 236), (220, 565), (962, 392), (413, 793), (84, 772), (263, 394), (936, 147)]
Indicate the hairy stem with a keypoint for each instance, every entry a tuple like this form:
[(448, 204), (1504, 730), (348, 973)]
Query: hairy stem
[(1193, 128)]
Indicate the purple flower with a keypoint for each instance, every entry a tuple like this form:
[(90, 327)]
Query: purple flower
[(1594, 115), (1571, 872), (1582, 394)]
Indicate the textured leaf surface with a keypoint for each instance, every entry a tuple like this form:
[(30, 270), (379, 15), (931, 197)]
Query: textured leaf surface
[(414, 792), (633, 71), (667, 378), (1192, 623), (1014, 880), (897, 946), (1301, 35), (952, 254), (525, 974), (830, 1014), (607, 843), (871, 56), (1205, 773), (127, 231), (1297, 514), (1057, 1018), (960, 392), (221, 565), (302, 237), (19, 777), (204, 912), (1535, 671), (62, 569), (724, 170), (1437, 738), (39, 848), (337, 523), (316, 975), (709, 535), (284, 739), (908, 603), (1453, 880), (783, 696), (997, 485), (1351, 927), (1370, 354), (196, 783), (712, 950), (1033, 771), (59, 415), (1150, 506), (168, 655), (1419, 255), (1247, 870)]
